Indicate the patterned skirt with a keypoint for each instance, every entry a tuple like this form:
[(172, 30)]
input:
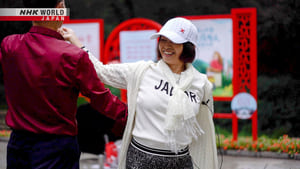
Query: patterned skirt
[(143, 157)]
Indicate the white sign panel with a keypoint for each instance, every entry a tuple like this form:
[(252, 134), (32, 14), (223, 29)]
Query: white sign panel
[(214, 54), (88, 34), (137, 45), (214, 35)]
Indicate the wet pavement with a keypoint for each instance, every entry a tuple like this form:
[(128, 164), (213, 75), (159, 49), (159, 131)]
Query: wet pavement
[(90, 161)]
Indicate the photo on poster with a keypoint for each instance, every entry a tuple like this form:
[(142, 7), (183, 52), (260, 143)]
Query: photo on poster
[(214, 53)]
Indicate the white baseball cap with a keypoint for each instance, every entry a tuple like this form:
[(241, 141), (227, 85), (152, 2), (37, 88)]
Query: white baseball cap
[(178, 30)]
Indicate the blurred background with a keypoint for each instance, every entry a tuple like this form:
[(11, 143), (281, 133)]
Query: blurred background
[(278, 25)]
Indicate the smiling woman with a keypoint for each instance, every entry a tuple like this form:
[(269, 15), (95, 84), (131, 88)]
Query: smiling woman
[(170, 53), (164, 99), (177, 41), (185, 50)]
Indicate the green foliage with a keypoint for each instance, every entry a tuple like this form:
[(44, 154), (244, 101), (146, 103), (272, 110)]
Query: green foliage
[(278, 105), (282, 144), (5, 133), (200, 65), (278, 108), (81, 100), (114, 91)]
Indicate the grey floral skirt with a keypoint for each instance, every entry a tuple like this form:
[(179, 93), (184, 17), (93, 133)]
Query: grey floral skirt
[(142, 157)]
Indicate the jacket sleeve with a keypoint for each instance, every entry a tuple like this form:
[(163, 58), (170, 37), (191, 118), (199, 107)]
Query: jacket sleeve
[(208, 97), (115, 75), (102, 99), (204, 149), (0, 56)]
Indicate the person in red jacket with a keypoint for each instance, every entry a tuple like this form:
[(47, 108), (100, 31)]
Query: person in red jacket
[(43, 76)]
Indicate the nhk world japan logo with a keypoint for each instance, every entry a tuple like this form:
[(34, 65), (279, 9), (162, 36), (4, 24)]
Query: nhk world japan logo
[(34, 14)]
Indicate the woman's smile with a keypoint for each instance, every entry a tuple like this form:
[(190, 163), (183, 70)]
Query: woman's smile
[(170, 51)]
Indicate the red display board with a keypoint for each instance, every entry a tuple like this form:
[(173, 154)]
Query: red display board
[(245, 55), (90, 32), (112, 45), (244, 32)]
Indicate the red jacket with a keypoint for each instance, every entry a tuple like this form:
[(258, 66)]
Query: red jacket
[(43, 76)]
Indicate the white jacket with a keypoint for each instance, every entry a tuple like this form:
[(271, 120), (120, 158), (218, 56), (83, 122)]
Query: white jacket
[(128, 76)]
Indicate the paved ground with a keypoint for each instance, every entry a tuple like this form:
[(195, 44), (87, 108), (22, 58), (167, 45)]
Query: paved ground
[(2, 155), (89, 161)]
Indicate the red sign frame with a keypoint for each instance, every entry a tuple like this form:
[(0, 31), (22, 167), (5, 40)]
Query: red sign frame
[(244, 60)]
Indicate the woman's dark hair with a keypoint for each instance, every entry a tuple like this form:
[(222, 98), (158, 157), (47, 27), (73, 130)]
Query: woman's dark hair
[(40, 3), (188, 53)]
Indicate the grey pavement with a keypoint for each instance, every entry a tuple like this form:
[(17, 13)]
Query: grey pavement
[(90, 161), (3, 154)]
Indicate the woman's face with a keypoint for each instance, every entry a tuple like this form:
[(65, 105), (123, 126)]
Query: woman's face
[(216, 56), (170, 51)]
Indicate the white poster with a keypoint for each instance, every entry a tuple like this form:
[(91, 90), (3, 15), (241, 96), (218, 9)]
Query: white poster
[(214, 55), (88, 34), (137, 45)]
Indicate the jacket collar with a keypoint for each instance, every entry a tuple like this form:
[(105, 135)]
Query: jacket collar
[(45, 31)]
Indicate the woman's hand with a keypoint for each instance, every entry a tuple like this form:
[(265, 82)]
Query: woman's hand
[(69, 35)]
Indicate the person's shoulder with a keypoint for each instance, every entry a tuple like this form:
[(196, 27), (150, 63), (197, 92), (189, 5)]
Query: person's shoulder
[(142, 64), (12, 37), (72, 50), (11, 40), (199, 75), (11, 43), (201, 78), (68, 47)]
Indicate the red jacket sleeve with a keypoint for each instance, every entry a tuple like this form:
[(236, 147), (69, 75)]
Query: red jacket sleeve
[(101, 98)]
